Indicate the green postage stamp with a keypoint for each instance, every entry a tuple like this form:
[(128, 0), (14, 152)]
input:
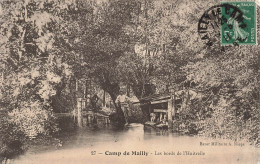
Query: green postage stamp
[(238, 23)]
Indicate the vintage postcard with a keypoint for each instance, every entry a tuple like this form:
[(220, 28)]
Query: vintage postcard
[(129, 81)]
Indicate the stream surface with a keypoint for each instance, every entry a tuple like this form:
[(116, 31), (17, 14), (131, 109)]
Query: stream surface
[(105, 144)]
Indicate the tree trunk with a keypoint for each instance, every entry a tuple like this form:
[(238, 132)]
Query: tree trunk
[(112, 89), (104, 99)]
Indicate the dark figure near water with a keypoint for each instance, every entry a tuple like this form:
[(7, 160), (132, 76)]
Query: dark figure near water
[(93, 100), (123, 102)]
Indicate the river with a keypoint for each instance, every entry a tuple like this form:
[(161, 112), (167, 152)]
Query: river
[(92, 144)]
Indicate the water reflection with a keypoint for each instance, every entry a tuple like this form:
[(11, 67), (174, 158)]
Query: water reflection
[(93, 142)]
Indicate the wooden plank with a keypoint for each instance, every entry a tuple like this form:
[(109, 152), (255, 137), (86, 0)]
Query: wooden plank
[(160, 110), (171, 110), (159, 101), (170, 105)]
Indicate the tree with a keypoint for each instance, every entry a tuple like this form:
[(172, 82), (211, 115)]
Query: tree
[(97, 38), (30, 71)]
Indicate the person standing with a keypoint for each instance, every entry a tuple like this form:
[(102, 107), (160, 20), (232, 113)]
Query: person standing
[(122, 101)]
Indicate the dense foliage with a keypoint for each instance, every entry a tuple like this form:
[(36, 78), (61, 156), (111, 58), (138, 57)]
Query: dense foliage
[(47, 46)]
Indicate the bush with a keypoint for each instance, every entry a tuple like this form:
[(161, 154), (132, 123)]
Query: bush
[(32, 119), (11, 139), (233, 123), (21, 125)]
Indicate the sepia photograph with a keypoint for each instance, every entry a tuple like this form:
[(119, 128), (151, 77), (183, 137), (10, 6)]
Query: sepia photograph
[(129, 81)]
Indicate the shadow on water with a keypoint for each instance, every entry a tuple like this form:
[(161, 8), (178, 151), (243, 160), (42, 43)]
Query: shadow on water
[(77, 144), (72, 136)]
